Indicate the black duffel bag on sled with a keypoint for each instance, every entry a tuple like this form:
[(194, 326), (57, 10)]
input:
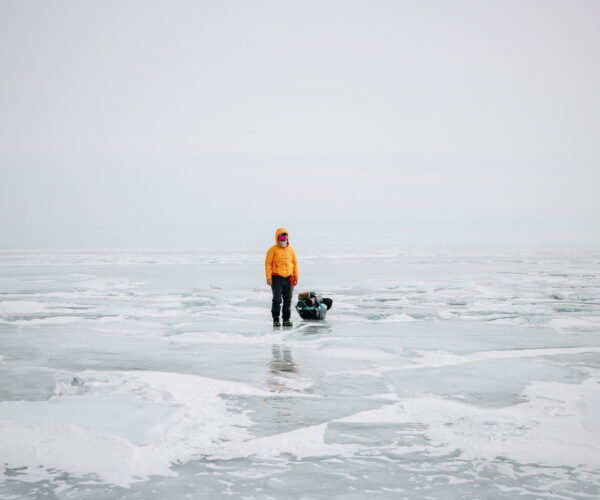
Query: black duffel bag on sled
[(312, 306)]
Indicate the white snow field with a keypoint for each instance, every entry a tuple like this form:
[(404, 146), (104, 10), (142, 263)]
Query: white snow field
[(436, 375)]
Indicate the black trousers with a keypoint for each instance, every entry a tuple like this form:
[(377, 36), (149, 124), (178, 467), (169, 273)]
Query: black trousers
[(282, 288)]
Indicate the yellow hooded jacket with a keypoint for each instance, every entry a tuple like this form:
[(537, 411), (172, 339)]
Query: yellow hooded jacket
[(281, 260)]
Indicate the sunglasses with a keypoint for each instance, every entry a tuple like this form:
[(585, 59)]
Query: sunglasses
[(282, 237)]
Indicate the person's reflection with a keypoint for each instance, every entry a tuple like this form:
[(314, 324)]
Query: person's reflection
[(281, 360), (281, 367), (282, 370)]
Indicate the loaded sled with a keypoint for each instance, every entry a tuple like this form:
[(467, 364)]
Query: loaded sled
[(312, 306)]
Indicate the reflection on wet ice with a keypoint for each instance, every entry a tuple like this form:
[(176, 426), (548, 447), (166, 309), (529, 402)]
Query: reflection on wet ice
[(315, 327), (281, 360)]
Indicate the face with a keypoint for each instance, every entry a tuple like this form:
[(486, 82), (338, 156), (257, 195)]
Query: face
[(282, 238)]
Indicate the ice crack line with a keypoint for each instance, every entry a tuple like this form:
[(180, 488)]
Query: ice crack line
[(440, 358)]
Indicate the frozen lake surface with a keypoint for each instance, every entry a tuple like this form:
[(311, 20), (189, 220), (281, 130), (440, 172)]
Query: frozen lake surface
[(159, 375)]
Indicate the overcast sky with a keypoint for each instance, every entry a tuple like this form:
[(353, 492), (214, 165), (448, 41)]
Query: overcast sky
[(207, 124)]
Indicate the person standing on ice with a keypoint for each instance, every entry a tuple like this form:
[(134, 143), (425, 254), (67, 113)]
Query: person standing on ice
[(282, 272)]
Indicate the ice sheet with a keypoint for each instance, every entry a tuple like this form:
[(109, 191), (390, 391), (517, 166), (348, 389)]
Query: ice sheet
[(149, 420), (557, 424), (444, 375)]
